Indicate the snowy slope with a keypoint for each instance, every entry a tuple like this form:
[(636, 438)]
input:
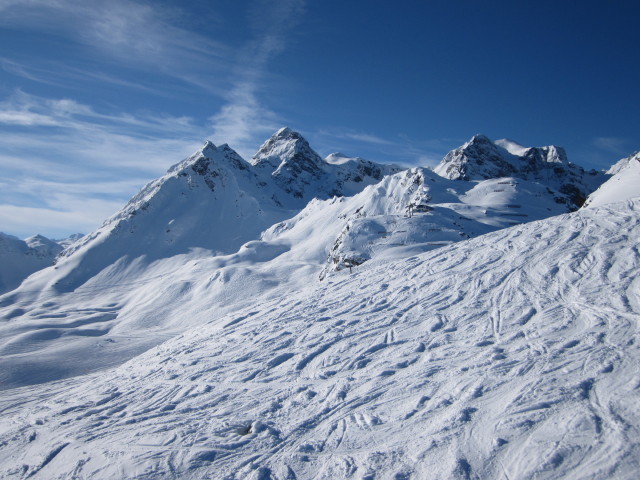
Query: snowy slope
[(407, 213), (511, 355), (218, 228), (192, 232), (214, 201), (624, 185), (66, 242), (20, 258), (481, 159)]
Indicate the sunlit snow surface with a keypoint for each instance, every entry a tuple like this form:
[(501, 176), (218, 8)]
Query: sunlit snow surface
[(20, 258), (511, 355), (182, 253), (624, 185)]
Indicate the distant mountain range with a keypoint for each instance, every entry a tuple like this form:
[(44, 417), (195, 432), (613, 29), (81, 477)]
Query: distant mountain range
[(21, 258), (218, 201)]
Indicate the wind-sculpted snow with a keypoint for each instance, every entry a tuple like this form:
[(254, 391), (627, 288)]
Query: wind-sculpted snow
[(511, 355)]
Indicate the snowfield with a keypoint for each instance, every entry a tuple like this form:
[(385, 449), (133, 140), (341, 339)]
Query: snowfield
[(299, 318), (511, 355), (219, 231)]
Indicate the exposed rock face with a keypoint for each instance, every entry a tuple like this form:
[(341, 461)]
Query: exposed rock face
[(289, 159), (300, 172), (478, 159), (482, 159)]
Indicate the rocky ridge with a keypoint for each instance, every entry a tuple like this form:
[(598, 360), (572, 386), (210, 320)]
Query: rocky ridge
[(481, 159)]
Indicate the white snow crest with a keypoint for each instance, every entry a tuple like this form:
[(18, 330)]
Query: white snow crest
[(623, 186)]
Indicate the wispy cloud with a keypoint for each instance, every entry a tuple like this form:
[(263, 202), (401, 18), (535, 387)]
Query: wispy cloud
[(71, 163), (66, 76), (616, 145), (244, 119), (23, 109), (77, 164), (394, 148), (94, 158), (132, 33), (367, 138)]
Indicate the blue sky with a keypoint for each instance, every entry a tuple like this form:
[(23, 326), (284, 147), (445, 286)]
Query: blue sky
[(97, 98)]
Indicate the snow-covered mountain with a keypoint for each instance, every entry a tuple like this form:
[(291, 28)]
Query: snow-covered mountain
[(66, 242), (335, 318), (624, 185), (298, 170), (481, 159), (237, 233), (20, 258), (215, 200), (407, 213), (511, 355)]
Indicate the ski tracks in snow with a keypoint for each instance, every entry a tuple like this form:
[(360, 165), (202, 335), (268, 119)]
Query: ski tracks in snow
[(513, 355)]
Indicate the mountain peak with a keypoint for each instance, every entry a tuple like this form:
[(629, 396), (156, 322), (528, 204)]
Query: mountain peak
[(479, 138), (477, 159), (43, 244), (285, 146), (208, 148), (38, 238), (290, 160), (286, 132), (481, 158), (283, 142)]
